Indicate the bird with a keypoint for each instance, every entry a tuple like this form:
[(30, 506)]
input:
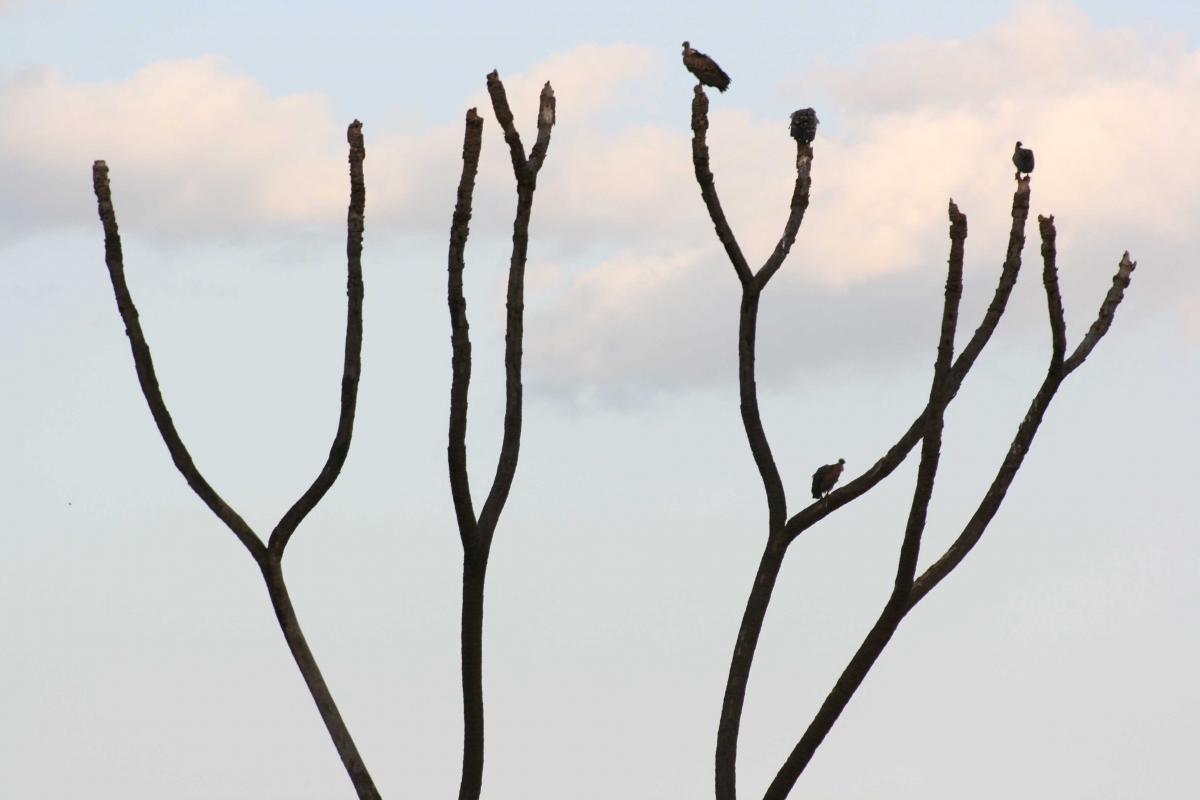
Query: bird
[(704, 68), (825, 477), (804, 125), (1022, 160)]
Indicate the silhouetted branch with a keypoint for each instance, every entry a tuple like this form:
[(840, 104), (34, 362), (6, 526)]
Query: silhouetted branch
[(895, 456), (1058, 321), (1107, 309), (752, 286), (144, 365), (476, 535), (708, 188), (352, 365), (460, 338), (939, 396), (1055, 375), (268, 557), (804, 157), (515, 330), (948, 377)]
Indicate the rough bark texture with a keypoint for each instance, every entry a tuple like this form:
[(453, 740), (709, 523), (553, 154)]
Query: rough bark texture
[(268, 556), (949, 374), (476, 534)]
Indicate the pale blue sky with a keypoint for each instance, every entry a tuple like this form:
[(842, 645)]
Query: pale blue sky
[(139, 657)]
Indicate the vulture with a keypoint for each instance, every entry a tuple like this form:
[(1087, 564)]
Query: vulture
[(1022, 160), (825, 477), (804, 125), (704, 68)]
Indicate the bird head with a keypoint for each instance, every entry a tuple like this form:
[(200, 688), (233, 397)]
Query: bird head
[(687, 46), (1018, 147), (841, 462)]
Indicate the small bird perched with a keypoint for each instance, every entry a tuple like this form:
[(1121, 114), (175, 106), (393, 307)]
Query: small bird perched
[(1022, 160), (704, 68), (825, 477), (804, 125)]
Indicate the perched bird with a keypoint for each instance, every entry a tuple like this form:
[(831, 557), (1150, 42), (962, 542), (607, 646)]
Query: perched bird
[(804, 125), (1022, 160), (825, 477), (704, 68)]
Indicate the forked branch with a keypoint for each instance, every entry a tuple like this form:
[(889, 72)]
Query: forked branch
[(902, 602), (268, 556), (1055, 375), (949, 375), (476, 533), (897, 604)]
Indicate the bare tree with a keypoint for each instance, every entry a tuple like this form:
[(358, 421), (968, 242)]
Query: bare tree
[(476, 532), (948, 376), (268, 556)]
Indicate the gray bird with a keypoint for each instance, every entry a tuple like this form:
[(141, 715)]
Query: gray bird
[(804, 125), (1022, 160), (826, 477), (704, 68)]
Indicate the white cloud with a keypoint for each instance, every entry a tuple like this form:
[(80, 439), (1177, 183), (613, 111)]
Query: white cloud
[(633, 291), (193, 149), (1111, 115)]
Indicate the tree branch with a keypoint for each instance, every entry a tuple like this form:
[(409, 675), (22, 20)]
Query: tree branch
[(1058, 322), (708, 188), (477, 535), (526, 175), (1055, 375), (893, 612), (268, 557), (804, 157), (1107, 310), (460, 337), (144, 365), (352, 364), (505, 118), (885, 466)]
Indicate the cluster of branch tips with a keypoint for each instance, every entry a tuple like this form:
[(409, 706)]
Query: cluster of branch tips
[(949, 373)]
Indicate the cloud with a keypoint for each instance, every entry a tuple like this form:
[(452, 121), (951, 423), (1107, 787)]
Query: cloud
[(633, 294), (1112, 116)]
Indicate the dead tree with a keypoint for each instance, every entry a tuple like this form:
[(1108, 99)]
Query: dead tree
[(948, 376), (268, 556), (476, 532)]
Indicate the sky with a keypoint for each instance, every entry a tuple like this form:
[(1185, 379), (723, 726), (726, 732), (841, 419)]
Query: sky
[(139, 656)]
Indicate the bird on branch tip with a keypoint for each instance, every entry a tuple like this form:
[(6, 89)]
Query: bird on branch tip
[(826, 477), (704, 68), (804, 125), (1022, 160)]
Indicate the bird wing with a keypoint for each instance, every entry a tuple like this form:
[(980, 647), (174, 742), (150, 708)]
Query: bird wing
[(706, 70), (819, 480)]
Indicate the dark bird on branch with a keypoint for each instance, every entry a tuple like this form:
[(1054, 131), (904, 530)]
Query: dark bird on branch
[(704, 68), (826, 477), (804, 125), (1022, 160)]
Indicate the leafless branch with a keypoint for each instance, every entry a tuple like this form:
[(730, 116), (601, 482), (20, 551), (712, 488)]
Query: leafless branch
[(460, 338), (1107, 309), (1055, 375), (939, 396), (476, 534), (267, 556), (708, 187), (895, 456), (949, 375)]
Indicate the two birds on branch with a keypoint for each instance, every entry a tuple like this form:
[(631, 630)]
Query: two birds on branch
[(803, 123), (803, 128)]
